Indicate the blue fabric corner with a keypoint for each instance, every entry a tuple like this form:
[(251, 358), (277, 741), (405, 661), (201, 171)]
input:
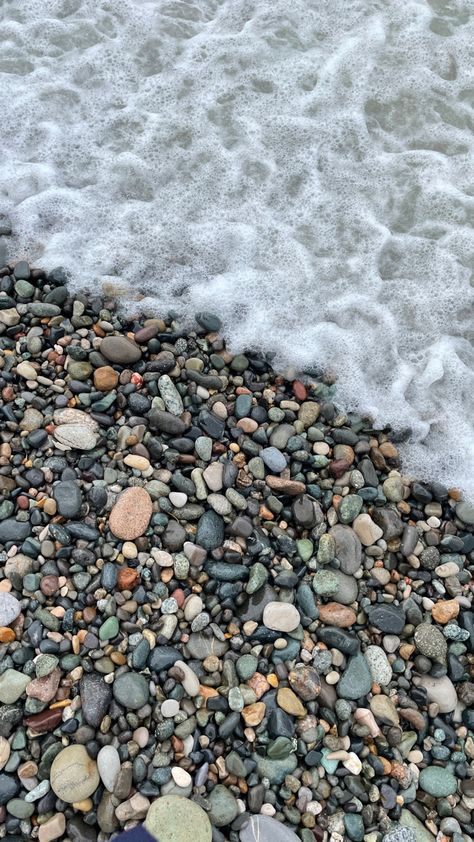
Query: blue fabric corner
[(137, 834)]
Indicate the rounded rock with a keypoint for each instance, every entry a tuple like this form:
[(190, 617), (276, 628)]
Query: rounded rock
[(131, 514), (172, 818), (74, 775), (281, 616)]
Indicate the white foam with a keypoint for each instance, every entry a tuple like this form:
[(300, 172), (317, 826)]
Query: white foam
[(303, 169)]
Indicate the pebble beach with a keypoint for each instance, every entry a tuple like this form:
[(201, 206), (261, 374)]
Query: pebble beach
[(225, 610)]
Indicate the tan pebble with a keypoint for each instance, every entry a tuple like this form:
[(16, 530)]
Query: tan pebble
[(50, 506), (129, 549), (259, 684), (366, 717), (253, 714), (141, 736), (450, 568), (74, 776), (5, 587), (83, 806), (289, 702), (53, 828), (332, 677), (138, 463), (27, 770), (272, 679), (105, 378)]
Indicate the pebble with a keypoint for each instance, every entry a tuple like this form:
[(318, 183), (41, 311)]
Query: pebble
[(74, 774), (438, 781), (356, 680), (120, 349), (266, 829), (131, 690), (281, 616), (131, 514), (366, 530), (429, 640), (172, 814), (379, 666), (10, 608), (108, 766)]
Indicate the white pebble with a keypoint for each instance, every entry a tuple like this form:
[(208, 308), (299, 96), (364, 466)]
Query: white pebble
[(108, 765), (169, 708), (181, 777)]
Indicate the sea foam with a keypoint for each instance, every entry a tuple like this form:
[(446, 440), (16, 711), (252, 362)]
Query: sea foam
[(304, 168)]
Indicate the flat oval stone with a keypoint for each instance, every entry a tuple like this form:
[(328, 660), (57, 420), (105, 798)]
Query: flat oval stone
[(131, 514), (281, 616), (76, 436), (438, 781), (120, 349), (131, 690), (430, 641), (74, 774), (108, 765), (266, 829), (172, 818)]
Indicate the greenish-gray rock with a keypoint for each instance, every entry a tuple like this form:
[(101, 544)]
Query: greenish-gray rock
[(356, 679), (275, 770), (224, 807), (438, 781), (131, 690)]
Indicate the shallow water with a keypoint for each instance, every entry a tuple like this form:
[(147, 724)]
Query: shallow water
[(302, 167)]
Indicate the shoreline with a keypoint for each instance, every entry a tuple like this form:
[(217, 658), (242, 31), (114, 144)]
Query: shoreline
[(217, 586)]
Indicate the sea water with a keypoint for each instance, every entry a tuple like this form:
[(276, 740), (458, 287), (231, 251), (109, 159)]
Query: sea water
[(304, 168)]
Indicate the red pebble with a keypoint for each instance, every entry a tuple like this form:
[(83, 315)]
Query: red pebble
[(178, 594), (136, 379), (299, 390), (22, 502)]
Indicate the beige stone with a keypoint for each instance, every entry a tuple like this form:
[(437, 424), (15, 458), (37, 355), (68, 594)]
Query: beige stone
[(53, 828), (74, 774)]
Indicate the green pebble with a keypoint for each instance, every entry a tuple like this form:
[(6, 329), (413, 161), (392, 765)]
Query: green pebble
[(279, 748), (325, 583), (246, 666), (349, 508), (20, 809), (305, 549), (109, 629), (45, 665), (354, 826), (326, 549), (258, 575), (438, 781), (329, 765)]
